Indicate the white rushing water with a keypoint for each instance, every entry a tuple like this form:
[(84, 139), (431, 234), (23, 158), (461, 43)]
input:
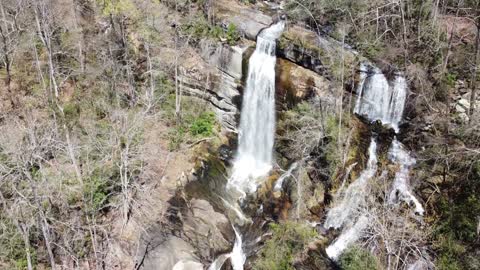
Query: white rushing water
[(348, 209), (237, 257), (279, 184), (256, 134), (257, 121), (348, 237), (401, 190), (378, 99)]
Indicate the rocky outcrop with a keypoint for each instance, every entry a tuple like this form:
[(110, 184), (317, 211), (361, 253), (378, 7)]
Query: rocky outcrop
[(216, 76), (194, 234), (462, 103), (319, 53), (249, 21), (295, 83), (298, 44)]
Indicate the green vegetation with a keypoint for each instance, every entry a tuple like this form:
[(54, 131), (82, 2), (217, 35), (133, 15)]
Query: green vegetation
[(456, 230), (203, 125), (232, 35), (199, 29), (357, 258), (12, 246), (287, 240), (196, 121)]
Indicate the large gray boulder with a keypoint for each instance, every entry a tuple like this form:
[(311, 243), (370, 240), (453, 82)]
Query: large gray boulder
[(209, 230), (172, 252)]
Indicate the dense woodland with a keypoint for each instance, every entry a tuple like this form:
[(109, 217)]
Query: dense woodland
[(93, 118)]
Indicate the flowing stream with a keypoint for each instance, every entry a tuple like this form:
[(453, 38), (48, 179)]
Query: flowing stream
[(346, 211), (401, 190), (256, 134)]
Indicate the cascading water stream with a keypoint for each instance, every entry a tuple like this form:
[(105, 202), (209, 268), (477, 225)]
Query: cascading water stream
[(256, 133), (354, 197), (279, 184), (378, 99), (401, 190), (348, 212)]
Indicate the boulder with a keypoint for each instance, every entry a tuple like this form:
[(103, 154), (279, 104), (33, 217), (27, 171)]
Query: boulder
[(464, 103), (209, 230), (170, 253)]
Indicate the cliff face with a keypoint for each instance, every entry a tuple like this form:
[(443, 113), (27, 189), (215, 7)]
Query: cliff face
[(305, 66)]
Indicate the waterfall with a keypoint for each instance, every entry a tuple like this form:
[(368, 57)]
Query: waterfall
[(400, 189), (257, 121), (237, 256), (256, 133), (354, 198), (378, 99)]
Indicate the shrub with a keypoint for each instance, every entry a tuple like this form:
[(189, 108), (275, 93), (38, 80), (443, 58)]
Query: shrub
[(450, 252), (12, 247), (200, 28), (232, 34), (288, 239), (203, 125), (357, 258)]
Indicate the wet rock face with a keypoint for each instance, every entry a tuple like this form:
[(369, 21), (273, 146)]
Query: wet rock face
[(314, 257), (308, 57), (170, 253)]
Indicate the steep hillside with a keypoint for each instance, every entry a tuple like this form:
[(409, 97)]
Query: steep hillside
[(239, 134)]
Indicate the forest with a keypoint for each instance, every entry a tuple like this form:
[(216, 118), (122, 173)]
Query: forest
[(239, 134)]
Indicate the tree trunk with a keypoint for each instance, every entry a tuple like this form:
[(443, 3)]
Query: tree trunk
[(8, 63), (473, 80)]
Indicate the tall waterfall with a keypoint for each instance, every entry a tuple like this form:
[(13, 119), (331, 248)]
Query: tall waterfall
[(256, 133), (257, 121), (378, 99)]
